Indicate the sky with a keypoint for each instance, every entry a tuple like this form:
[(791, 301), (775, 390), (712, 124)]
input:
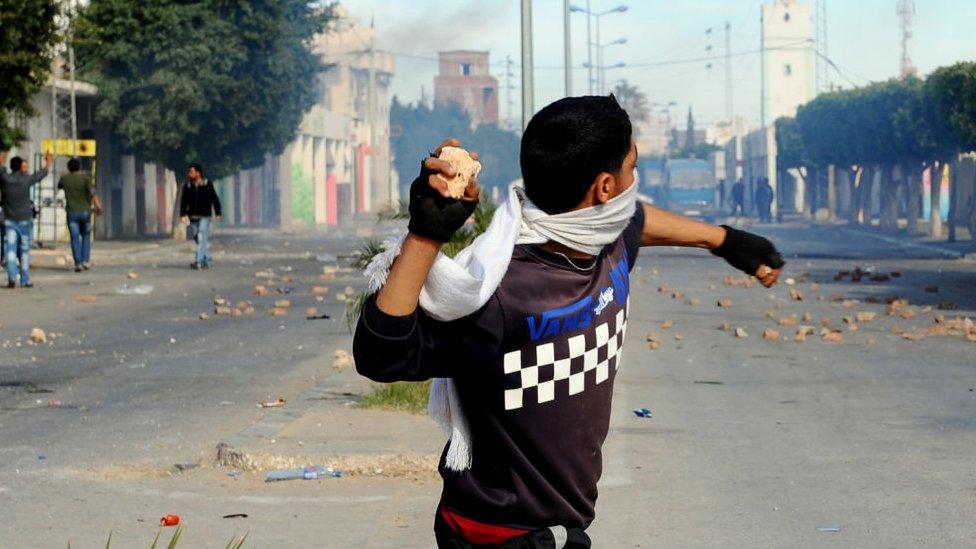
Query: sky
[(863, 39)]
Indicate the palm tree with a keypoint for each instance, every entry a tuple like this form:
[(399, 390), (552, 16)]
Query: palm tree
[(632, 100)]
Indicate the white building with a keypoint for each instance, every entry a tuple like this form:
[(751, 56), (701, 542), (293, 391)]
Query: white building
[(788, 64)]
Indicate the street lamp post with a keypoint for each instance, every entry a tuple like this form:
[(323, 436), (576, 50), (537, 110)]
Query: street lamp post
[(527, 69), (590, 44)]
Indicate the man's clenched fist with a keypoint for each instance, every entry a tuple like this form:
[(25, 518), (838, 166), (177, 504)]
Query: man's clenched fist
[(433, 213), (751, 254)]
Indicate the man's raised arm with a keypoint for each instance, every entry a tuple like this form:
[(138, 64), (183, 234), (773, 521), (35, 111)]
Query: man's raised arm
[(750, 253), (394, 341)]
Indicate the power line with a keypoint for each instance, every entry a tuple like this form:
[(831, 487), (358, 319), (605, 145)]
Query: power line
[(645, 64)]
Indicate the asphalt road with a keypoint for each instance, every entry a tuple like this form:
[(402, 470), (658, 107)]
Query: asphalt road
[(753, 443)]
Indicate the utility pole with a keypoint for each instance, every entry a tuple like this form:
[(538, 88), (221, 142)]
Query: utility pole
[(508, 92), (906, 12), (527, 84), (599, 59), (567, 49), (822, 75), (728, 76)]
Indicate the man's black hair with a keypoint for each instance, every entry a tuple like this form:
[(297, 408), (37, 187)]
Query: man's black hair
[(15, 164), (198, 168), (567, 144), (74, 165)]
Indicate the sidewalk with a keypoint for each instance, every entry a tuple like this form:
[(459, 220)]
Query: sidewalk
[(322, 426)]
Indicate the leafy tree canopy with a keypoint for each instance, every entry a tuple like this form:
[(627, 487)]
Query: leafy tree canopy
[(220, 82), (416, 129), (28, 34), (632, 100)]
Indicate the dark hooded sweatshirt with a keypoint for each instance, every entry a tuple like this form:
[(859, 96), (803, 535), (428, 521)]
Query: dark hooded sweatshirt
[(534, 369)]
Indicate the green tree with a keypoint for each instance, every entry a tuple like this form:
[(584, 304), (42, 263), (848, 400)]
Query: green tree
[(632, 100), (28, 34), (417, 128), (219, 82)]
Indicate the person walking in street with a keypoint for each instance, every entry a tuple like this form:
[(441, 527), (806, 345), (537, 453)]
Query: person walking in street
[(764, 201), (198, 205), (80, 199), (738, 199), (18, 212), (522, 330)]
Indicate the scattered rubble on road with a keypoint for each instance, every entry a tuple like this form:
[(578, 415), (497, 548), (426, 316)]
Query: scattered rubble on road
[(277, 403), (724, 302), (741, 332), (37, 335), (85, 298)]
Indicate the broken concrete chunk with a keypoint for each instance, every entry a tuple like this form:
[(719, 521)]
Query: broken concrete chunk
[(260, 290), (663, 289), (807, 317), (320, 290), (282, 303), (693, 301), (865, 316), (219, 301), (342, 359), (833, 337), (677, 295), (725, 327), (741, 332), (666, 325), (85, 298), (278, 311), (222, 310), (724, 302), (654, 345), (37, 335), (204, 316), (787, 321), (770, 334), (466, 170), (679, 337), (132, 275), (796, 295)]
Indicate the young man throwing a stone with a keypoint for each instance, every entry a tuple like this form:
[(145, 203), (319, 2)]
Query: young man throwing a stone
[(522, 330)]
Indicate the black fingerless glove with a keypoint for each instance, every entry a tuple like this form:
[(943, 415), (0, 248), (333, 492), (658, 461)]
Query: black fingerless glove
[(433, 215), (746, 251)]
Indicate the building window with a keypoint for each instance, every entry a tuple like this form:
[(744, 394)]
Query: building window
[(786, 18), (788, 69), (466, 69)]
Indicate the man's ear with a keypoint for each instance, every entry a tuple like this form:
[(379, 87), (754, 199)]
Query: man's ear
[(603, 188)]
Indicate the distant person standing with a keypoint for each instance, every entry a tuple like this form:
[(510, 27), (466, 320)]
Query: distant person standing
[(764, 201), (18, 213), (198, 204), (80, 199), (738, 198), (3, 239), (721, 194)]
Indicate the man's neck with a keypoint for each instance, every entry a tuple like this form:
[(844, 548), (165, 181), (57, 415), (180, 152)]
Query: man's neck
[(558, 248)]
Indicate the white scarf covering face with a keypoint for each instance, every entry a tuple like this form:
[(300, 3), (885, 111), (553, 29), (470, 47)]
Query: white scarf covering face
[(457, 287)]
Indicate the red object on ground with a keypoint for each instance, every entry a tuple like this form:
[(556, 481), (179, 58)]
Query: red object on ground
[(169, 520), (479, 533)]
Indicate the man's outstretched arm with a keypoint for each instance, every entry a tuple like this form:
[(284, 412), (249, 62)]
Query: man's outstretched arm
[(745, 251)]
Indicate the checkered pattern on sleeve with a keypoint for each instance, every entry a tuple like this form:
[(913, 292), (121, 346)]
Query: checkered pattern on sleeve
[(584, 362)]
